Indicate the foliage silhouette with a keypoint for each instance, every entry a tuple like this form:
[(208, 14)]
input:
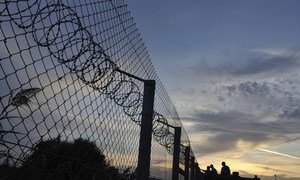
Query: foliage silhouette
[(22, 98), (56, 159)]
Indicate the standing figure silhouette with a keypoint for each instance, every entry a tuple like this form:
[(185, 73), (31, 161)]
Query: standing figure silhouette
[(225, 170)]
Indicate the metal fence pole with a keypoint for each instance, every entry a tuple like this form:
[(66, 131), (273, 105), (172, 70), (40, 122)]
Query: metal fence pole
[(143, 166), (175, 169), (192, 168), (187, 163)]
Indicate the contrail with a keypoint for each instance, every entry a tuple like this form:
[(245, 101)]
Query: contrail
[(278, 153)]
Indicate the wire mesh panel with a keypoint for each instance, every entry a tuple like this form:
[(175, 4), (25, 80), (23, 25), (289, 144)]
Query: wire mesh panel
[(62, 88), (161, 162)]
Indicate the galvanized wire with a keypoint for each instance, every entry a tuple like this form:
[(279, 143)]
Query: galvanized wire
[(61, 76)]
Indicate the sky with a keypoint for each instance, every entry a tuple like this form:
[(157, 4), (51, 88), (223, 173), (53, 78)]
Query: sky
[(232, 71)]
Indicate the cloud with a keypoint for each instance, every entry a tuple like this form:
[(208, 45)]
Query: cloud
[(283, 177), (276, 98), (278, 64), (235, 108), (272, 52), (250, 88), (291, 140), (216, 144), (290, 112), (274, 62), (234, 121), (233, 142), (275, 169), (261, 89), (236, 132), (278, 153)]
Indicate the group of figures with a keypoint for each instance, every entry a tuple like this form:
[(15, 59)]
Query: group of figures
[(212, 174), (211, 170)]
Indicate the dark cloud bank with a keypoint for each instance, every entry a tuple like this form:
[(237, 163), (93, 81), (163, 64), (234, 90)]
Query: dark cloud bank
[(228, 128), (274, 64)]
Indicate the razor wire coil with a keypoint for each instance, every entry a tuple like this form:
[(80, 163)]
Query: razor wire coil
[(57, 27), (87, 57)]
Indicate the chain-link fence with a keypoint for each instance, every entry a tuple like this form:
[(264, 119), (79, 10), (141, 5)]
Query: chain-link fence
[(63, 87)]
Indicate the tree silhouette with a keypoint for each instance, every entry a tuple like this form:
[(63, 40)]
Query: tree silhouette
[(56, 159)]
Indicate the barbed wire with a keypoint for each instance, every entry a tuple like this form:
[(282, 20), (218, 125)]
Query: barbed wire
[(81, 55), (69, 40)]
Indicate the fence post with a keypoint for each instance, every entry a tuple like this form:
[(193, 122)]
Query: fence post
[(143, 166), (187, 162), (176, 154), (192, 168)]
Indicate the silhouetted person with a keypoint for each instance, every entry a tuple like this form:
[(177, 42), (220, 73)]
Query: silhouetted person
[(208, 171), (235, 174), (197, 168), (198, 174), (213, 170), (225, 170), (256, 178)]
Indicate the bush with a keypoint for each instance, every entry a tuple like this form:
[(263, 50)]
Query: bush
[(56, 159)]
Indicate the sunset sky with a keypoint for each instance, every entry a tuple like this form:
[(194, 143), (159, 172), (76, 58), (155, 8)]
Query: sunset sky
[(232, 70)]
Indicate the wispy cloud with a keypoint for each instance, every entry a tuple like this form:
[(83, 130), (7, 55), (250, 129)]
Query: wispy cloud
[(278, 153), (268, 168), (272, 51)]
